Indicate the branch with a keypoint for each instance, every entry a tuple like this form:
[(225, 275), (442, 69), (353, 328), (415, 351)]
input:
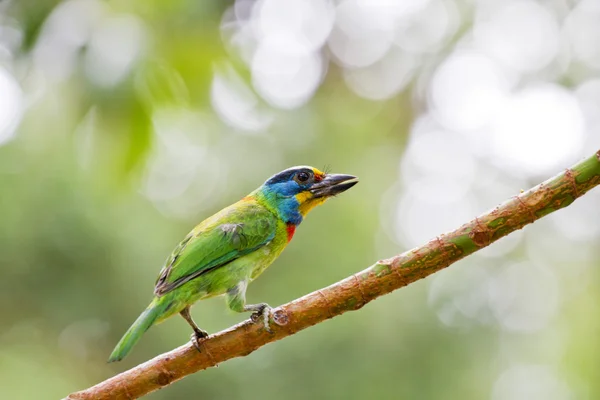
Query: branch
[(357, 290)]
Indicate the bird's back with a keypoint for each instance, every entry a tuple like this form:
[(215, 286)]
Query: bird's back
[(233, 233)]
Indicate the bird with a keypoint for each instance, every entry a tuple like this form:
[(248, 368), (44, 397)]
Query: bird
[(228, 250)]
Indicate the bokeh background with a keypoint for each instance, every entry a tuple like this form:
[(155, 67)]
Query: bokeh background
[(124, 123)]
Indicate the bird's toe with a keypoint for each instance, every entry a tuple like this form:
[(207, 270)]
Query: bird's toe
[(265, 314), (197, 337)]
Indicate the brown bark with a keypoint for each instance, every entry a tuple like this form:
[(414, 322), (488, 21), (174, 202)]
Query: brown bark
[(355, 291)]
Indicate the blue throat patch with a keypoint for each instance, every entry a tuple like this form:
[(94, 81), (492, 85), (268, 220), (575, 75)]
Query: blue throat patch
[(285, 205)]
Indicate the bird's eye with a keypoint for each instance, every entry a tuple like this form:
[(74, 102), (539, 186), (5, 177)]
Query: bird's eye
[(302, 177)]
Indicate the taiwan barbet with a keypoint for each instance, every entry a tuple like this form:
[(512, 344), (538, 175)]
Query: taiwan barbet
[(227, 251)]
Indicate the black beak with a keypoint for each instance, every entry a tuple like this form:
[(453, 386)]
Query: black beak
[(332, 185)]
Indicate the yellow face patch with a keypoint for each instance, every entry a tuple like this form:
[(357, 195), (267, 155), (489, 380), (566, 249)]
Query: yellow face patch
[(304, 197), (306, 200), (309, 204)]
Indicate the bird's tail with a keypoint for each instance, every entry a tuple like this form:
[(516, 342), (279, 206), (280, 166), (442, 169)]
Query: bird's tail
[(135, 331)]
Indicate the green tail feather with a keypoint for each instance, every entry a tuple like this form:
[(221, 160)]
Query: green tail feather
[(135, 331)]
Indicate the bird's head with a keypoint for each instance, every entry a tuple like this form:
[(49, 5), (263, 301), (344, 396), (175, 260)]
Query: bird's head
[(297, 190)]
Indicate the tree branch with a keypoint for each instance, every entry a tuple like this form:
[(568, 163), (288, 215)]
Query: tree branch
[(357, 290)]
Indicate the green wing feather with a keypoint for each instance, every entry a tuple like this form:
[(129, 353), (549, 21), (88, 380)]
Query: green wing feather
[(232, 233)]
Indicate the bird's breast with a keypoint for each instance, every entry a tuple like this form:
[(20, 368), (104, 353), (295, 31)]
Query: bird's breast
[(265, 256)]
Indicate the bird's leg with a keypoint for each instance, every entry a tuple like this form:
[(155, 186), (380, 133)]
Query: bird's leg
[(236, 301), (198, 333)]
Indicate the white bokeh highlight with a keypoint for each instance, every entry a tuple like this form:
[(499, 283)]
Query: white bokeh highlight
[(428, 30), (466, 91), (588, 96), (460, 298), (362, 34), (11, 105), (524, 297), (236, 103), (285, 78), (383, 79), (183, 176), (522, 35), (63, 35), (436, 166), (531, 382), (538, 131), (583, 32), (115, 45), (302, 24)]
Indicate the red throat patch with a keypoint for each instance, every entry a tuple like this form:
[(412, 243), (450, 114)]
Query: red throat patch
[(291, 228)]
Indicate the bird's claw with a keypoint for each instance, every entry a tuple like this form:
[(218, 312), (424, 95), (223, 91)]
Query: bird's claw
[(196, 337), (265, 312)]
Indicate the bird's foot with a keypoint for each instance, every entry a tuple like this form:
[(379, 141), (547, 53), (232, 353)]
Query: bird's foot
[(196, 337), (262, 311)]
